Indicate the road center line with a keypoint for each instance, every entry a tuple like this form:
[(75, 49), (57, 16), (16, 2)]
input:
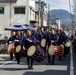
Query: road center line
[(71, 62)]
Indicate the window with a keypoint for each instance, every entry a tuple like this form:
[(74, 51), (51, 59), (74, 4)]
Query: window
[(1, 10), (19, 10)]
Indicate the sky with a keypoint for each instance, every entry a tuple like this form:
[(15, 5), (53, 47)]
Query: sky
[(59, 4)]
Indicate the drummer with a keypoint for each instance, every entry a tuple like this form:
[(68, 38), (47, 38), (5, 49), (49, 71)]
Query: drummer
[(61, 39), (10, 40), (53, 41), (41, 35), (48, 38), (65, 40), (63, 33), (18, 41), (27, 42)]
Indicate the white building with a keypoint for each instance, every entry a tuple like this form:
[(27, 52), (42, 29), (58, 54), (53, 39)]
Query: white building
[(16, 12), (53, 26), (58, 23)]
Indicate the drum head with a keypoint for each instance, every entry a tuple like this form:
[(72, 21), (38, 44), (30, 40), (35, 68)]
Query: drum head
[(51, 50), (31, 50), (18, 48), (62, 46), (43, 42), (10, 42), (10, 47), (68, 44)]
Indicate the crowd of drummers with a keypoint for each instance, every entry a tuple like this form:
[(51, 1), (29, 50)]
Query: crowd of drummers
[(36, 45)]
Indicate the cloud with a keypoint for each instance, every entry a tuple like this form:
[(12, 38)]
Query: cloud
[(58, 4)]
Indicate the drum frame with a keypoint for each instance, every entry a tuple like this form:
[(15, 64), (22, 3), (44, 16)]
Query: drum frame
[(51, 52), (41, 57)]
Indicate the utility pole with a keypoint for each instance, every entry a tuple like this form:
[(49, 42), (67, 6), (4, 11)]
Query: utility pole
[(72, 17), (49, 17), (42, 13), (10, 14), (74, 5), (39, 14)]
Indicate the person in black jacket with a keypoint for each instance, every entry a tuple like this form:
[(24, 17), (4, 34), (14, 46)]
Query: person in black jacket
[(27, 42), (10, 40), (53, 41)]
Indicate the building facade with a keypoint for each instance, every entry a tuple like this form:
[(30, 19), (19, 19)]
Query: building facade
[(57, 22), (43, 13), (16, 12)]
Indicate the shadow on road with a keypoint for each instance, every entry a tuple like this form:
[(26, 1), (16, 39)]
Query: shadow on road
[(13, 69), (48, 72)]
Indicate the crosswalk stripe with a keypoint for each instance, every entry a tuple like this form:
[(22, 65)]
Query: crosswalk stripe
[(6, 63)]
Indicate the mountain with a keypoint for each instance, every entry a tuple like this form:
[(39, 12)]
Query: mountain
[(64, 16)]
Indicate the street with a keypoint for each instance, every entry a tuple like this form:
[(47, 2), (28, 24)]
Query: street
[(63, 67), (50, 24)]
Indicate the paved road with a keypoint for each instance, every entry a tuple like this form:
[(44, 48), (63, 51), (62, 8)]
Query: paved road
[(62, 67), (74, 55)]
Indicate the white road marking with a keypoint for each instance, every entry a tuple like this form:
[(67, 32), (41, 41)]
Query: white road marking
[(4, 55), (41, 68), (71, 62), (51, 67), (6, 63)]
